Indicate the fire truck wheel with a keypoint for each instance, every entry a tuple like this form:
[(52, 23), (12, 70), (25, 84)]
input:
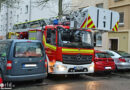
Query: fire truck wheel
[(74, 75), (40, 80)]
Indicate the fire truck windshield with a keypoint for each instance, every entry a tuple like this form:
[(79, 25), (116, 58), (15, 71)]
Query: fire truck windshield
[(75, 38)]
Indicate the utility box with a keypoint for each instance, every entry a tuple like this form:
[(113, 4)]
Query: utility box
[(35, 34), (95, 18)]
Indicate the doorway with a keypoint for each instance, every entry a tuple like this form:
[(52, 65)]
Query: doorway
[(113, 44)]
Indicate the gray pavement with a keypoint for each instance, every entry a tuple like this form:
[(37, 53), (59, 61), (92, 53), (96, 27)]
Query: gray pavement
[(114, 81)]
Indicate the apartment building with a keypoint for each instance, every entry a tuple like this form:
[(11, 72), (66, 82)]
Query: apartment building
[(120, 40)]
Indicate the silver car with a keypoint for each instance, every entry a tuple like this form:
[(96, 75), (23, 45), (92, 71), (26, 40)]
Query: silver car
[(121, 59)]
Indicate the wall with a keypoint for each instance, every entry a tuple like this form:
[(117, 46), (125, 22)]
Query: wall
[(123, 39), (86, 3), (119, 3), (126, 11)]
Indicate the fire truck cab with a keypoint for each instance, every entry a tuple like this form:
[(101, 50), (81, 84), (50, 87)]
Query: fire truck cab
[(68, 51)]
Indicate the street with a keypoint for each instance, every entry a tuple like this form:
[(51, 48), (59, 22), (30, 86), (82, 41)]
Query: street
[(115, 81), (64, 37)]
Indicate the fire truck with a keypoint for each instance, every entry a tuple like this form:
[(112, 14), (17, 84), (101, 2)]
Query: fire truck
[(69, 49)]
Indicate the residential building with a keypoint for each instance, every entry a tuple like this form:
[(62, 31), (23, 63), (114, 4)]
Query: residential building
[(78, 4), (120, 40)]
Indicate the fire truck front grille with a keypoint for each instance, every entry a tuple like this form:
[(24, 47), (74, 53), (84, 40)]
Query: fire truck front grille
[(77, 59)]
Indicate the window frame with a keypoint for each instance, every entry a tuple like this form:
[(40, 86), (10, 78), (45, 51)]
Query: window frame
[(121, 18), (100, 4), (52, 42)]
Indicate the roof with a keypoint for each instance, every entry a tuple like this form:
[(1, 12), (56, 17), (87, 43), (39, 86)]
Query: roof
[(97, 51), (20, 40)]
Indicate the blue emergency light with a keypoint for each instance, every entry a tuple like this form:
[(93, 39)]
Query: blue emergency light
[(55, 22)]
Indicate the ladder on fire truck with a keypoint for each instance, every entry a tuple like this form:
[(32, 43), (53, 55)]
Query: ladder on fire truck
[(95, 19)]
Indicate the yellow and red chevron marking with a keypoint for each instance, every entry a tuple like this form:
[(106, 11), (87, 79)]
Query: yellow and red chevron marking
[(90, 23), (84, 24), (115, 29)]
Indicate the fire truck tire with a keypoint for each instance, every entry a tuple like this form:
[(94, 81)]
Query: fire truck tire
[(74, 75), (40, 80)]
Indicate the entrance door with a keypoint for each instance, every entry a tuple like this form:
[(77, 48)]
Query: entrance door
[(114, 44)]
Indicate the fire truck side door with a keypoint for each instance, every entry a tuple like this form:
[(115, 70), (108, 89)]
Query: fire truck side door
[(51, 44)]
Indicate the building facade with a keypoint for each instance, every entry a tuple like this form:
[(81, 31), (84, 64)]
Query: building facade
[(78, 4), (121, 39)]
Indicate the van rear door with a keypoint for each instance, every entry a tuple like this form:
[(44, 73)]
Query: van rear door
[(28, 58)]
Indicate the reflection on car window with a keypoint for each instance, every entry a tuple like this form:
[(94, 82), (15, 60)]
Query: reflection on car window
[(111, 54), (4, 48), (103, 55), (28, 50), (122, 53)]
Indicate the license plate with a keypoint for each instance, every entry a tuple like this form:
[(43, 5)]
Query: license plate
[(78, 68), (107, 67), (30, 65)]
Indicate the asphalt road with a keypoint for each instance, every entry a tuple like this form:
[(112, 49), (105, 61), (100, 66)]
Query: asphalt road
[(115, 81)]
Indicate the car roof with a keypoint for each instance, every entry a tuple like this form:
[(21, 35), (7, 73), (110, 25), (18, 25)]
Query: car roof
[(97, 51), (20, 40), (113, 52)]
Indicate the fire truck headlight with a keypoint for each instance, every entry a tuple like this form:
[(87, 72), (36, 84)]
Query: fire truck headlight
[(61, 68), (91, 67)]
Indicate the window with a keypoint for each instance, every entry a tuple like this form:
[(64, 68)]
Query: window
[(11, 12), (102, 55), (26, 49), (111, 54), (98, 39), (17, 18), (51, 36), (117, 0), (121, 21), (4, 49), (99, 5), (26, 9), (26, 20)]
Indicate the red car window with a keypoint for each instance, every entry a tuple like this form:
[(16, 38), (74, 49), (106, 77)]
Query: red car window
[(102, 55)]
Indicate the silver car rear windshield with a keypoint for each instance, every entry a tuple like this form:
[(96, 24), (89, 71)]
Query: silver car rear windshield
[(28, 49)]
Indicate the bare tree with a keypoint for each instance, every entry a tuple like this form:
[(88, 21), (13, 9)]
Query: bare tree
[(12, 3), (62, 7), (42, 3)]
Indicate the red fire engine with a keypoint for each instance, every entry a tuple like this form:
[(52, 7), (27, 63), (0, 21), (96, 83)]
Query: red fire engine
[(68, 51)]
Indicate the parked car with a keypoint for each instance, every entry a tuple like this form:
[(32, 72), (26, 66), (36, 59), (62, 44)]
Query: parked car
[(103, 62), (22, 60), (121, 59)]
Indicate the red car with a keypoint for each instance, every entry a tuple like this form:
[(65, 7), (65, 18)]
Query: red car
[(103, 62)]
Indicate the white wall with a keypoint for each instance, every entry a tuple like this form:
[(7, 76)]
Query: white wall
[(3, 19)]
